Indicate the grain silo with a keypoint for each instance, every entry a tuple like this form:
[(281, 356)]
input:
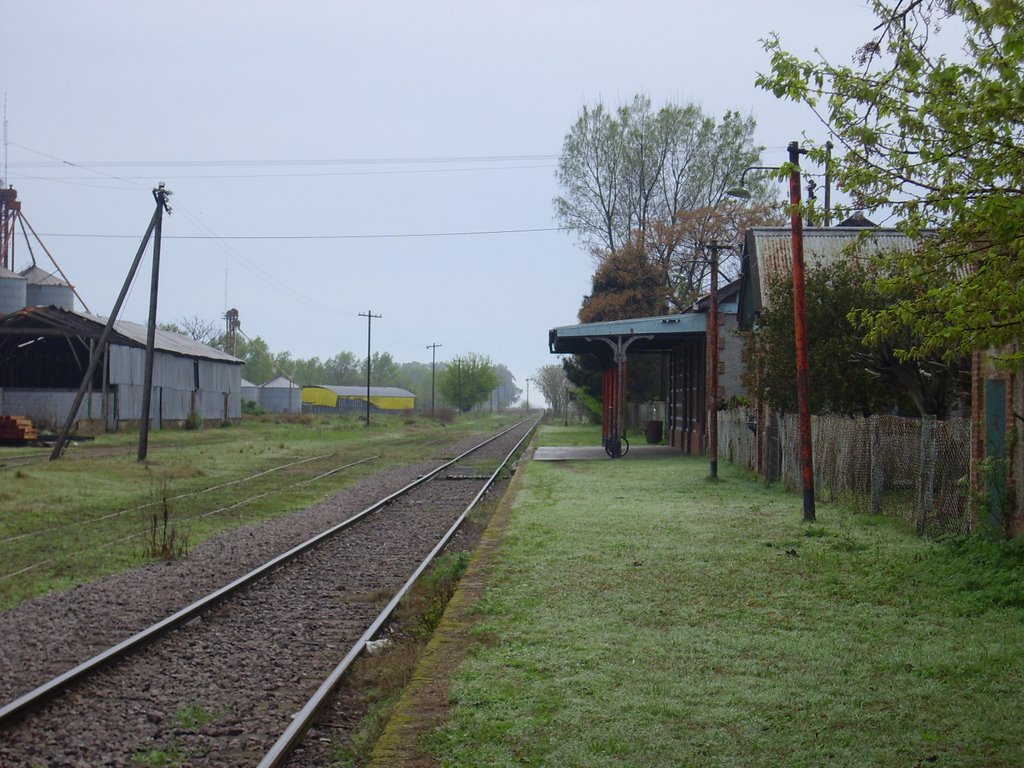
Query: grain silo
[(281, 395), (12, 291), (46, 289), (250, 391)]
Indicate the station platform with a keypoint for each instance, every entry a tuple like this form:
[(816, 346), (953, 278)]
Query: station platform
[(596, 452)]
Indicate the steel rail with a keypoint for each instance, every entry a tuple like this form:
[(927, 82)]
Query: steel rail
[(300, 722), (48, 690)]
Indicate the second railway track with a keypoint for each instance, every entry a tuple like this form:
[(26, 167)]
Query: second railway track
[(250, 664)]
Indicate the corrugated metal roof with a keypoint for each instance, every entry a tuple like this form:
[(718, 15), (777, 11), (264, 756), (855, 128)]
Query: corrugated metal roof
[(7, 274), (125, 332), (771, 256), (361, 391)]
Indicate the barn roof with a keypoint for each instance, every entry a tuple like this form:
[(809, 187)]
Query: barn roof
[(53, 321), (768, 256), (361, 391)]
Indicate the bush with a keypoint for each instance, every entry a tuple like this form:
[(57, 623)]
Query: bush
[(252, 408)]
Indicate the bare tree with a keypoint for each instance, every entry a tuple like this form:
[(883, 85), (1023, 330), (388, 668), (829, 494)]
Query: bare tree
[(554, 386), (195, 328)]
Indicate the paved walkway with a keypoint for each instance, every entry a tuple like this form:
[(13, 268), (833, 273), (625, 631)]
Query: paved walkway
[(595, 452)]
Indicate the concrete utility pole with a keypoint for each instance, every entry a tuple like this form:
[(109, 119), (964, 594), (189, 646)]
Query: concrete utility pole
[(368, 314), (160, 195), (433, 373)]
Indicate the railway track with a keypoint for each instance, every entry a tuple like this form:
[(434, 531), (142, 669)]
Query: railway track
[(233, 678)]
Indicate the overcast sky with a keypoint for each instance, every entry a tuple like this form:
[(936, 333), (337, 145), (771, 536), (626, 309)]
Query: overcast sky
[(394, 157)]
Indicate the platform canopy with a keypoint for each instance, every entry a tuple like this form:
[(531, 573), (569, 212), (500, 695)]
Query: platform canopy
[(650, 334)]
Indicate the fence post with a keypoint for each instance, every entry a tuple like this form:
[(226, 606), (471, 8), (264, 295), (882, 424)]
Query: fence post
[(877, 476), (926, 475)]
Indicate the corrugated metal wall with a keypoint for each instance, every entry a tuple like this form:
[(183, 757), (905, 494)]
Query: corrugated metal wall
[(48, 407), (175, 379), (281, 399)]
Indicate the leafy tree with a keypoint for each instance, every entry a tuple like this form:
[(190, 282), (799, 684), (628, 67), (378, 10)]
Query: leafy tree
[(938, 141), (467, 381), (847, 376), (383, 370), (626, 284), (623, 172), (342, 370), (259, 363), (415, 377)]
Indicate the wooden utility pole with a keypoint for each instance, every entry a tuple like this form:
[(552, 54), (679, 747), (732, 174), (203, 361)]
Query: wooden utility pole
[(803, 388), (160, 195), (368, 314), (101, 345), (712, 358), (433, 371)]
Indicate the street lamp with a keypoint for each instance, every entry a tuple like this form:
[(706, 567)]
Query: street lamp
[(799, 319)]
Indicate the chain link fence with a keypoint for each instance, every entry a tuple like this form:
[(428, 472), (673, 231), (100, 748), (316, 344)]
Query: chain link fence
[(916, 469)]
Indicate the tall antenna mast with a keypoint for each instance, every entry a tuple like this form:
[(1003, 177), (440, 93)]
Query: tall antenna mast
[(3, 181)]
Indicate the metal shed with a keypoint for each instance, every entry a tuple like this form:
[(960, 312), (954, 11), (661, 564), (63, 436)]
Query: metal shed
[(45, 351), (324, 398)]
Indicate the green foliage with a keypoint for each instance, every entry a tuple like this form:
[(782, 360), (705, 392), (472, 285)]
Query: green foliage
[(345, 369), (704, 625), (252, 408), (193, 716), (622, 171), (259, 363), (847, 375), (467, 381), (194, 420), (936, 139), (172, 757), (988, 571), (626, 284)]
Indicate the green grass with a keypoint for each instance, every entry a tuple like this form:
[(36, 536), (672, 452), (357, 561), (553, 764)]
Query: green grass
[(79, 518), (571, 436), (639, 615)]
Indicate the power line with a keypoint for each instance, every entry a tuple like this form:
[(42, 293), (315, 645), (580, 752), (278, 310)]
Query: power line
[(324, 174), (390, 235), (268, 163)]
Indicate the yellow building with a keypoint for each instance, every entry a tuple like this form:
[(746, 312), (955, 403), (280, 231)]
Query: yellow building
[(322, 398)]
